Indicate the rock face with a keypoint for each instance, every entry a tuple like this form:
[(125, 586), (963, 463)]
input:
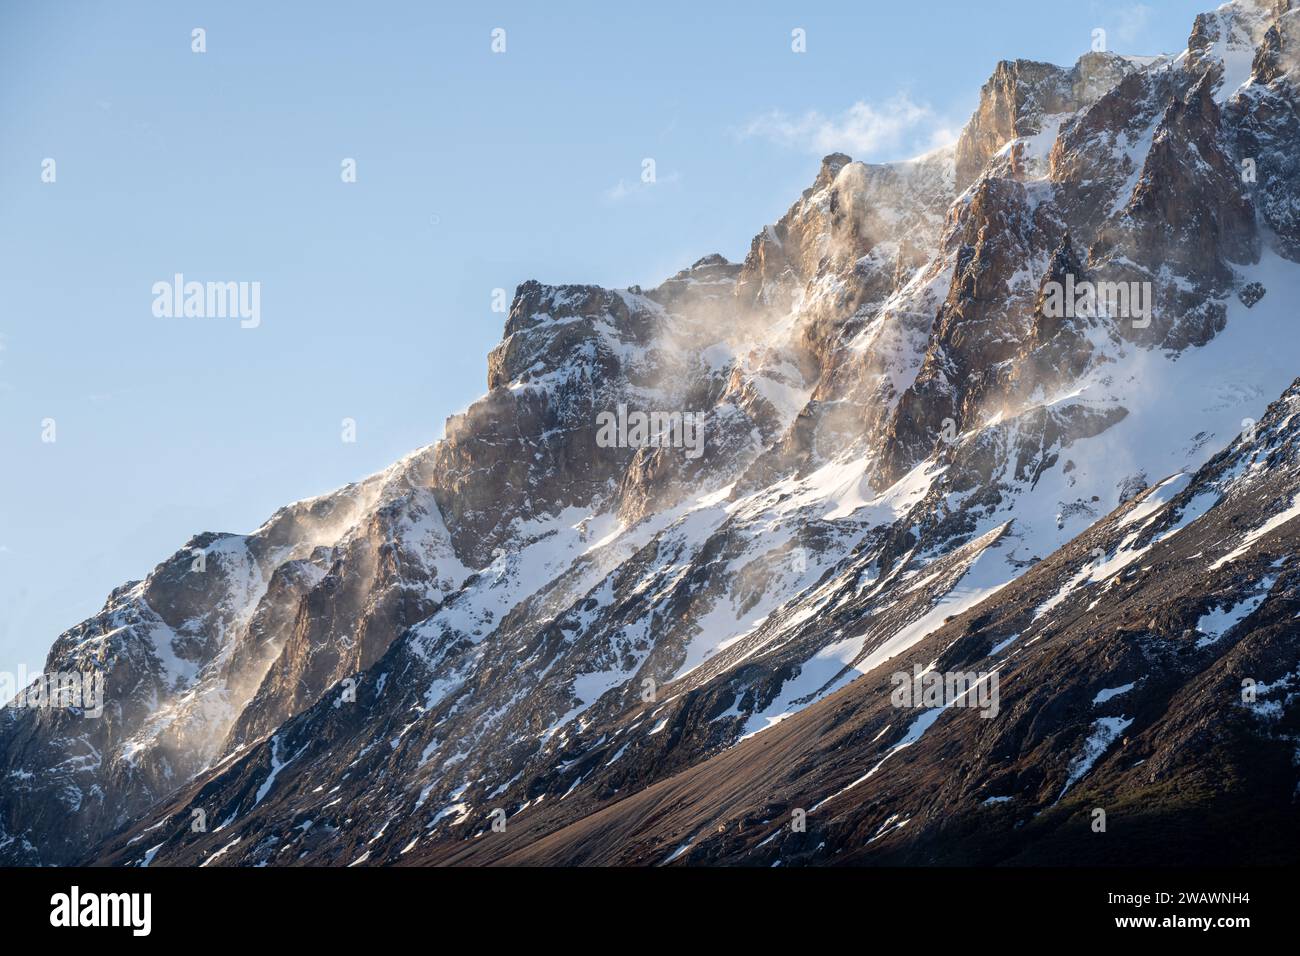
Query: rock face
[(914, 448), (1180, 714), (1023, 99), (1267, 131)]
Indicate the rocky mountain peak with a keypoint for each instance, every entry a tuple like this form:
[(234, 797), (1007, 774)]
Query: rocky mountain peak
[(1022, 94), (913, 438), (830, 168)]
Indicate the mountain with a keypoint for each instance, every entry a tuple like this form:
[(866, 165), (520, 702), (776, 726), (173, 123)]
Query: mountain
[(1002, 411)]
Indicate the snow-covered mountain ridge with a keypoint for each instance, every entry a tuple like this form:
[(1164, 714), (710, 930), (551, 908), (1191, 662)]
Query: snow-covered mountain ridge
[(910, 458)]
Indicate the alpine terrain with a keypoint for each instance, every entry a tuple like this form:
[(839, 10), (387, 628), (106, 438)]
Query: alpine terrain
[(956, 524)]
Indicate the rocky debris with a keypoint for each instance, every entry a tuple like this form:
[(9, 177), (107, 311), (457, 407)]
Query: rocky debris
[(1251, 293)]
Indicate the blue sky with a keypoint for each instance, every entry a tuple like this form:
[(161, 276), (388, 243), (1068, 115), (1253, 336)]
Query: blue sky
[(475, 171)]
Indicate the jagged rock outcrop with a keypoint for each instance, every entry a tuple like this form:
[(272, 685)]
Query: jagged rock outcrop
[(1267, 132), (1022, 96)]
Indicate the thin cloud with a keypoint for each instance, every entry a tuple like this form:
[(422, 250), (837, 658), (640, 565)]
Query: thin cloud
[(890, 130)]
